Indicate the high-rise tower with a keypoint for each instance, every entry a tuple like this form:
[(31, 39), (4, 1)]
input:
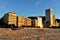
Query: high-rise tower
[(49, 17)]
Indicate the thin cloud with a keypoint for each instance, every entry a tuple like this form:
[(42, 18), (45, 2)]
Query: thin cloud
[(38, 2), (56, 2), (3, 5)]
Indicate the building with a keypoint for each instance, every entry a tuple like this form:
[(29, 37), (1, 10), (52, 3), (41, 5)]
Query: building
[(54, 20), (46, 21), (10, 18), (39, 18), (50, 18), (57, 23), (33, 19), (43, 21), (37, 21), (20, 21), (28, 22)]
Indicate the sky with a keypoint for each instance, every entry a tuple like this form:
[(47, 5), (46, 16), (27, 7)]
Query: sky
[(29, 7)]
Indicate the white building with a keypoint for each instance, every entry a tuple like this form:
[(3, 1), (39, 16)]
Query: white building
[(40, 22)]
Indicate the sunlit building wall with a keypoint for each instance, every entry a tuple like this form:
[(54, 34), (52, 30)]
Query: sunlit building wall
[(40, 21), (50, 20), (57, 22), (10, 18), (36, 23), (20, 21), (27, 22)]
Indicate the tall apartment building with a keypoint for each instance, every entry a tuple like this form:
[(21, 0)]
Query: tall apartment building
[(49, 17), (28, 22), (10, 18), (20, 21)]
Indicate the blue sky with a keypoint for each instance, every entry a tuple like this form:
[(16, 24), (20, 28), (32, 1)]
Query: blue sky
[(29, 7)]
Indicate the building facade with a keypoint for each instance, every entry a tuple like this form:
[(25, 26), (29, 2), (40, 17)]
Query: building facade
[(20, 21), (57, 22), (10, 18), (36, 21), (28, 22), (48, 20), (49, 17)]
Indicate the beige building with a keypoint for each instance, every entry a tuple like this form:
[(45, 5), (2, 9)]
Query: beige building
[(43, 22), (34, 21), (10, 18), (20, 21), (50, 18), (54, 20), (27, 22), (37, 21), (57, 22)]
